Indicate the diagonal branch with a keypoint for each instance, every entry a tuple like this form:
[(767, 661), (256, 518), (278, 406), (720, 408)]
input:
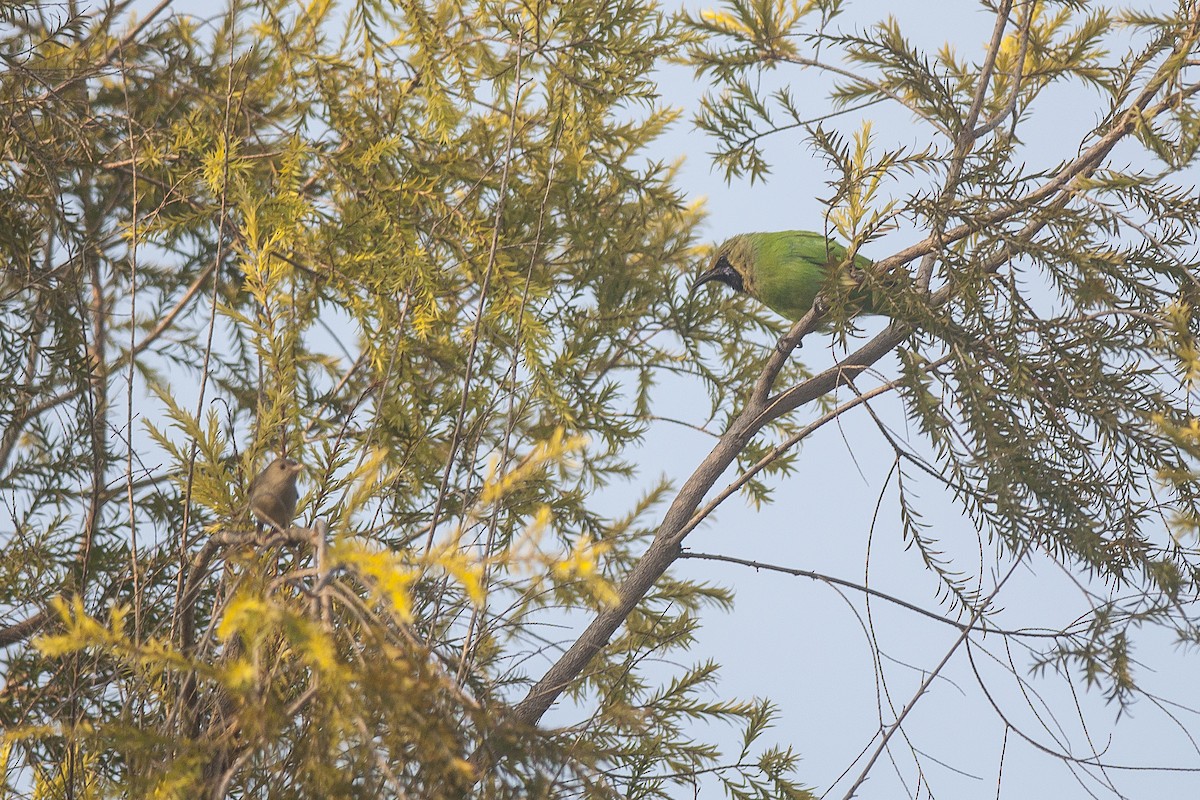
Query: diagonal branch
[(666, 546)]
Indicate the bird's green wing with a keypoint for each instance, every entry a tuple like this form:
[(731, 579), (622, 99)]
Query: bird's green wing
[(790, 268)]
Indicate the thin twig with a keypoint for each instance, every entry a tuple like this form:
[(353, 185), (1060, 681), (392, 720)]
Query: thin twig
[(858, 587)]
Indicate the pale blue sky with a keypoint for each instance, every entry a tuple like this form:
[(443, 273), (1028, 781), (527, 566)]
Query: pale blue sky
[(802, 643)]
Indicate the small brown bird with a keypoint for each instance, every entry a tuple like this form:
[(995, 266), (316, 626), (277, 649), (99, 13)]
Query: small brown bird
[(273, 494)]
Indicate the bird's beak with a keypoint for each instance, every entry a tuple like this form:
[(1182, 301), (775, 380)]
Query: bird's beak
[(722, 271)]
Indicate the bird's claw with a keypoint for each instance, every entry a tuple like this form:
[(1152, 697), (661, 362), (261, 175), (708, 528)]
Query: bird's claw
[(779, 345)]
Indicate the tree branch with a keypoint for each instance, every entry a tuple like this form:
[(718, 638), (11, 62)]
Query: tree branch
[(665, 547)]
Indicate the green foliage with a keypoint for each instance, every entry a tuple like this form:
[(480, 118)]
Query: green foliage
[(1064, 430), (420, 248)]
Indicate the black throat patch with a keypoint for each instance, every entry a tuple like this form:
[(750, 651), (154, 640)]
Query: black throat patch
[(723, 272)]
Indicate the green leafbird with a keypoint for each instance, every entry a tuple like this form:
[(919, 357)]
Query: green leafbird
[(783, 270)]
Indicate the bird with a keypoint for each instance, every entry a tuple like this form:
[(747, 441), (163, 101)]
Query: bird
[(783, 270), (273, 494)]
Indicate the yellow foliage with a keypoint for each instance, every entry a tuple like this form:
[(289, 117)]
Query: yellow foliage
[(390, 576), (467, 572), (316, 647), (726, 22), (246, 615), (551, 451), (1178, 339), (82, 630), (862, 215), (367, 476), (581, 565), (238, 675), (255, 618)]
